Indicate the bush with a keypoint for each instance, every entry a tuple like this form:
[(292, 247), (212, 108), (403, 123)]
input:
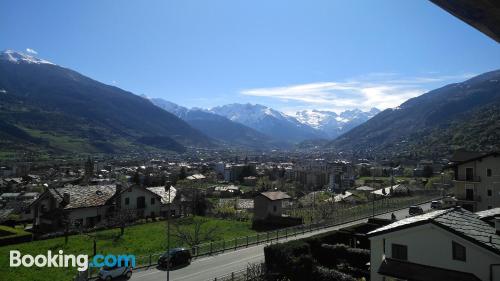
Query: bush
[(325, 274), (292, 260), (332, 255), (11, 236)]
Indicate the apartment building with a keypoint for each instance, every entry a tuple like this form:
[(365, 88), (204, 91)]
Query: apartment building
[(477, 181)]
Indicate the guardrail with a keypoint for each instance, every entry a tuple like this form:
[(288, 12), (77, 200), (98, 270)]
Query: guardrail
[(341, 216)]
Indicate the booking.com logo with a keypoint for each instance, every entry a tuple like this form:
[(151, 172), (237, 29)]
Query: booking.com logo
[(81, 262)]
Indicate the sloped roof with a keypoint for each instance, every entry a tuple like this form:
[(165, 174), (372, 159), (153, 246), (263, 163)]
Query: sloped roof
[(458, 161), (489, 213), (420, 272), (84, 196), (160, 191), (456, 220), (275, 195)]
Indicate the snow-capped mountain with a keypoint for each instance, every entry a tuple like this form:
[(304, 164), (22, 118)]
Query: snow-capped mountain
[(333, 124), (218, 127), (18, 57), (171, 107), (269, 121)]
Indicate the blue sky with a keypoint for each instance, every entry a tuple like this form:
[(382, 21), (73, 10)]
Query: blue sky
[(290, 55)]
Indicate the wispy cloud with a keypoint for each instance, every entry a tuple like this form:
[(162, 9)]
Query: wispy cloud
[(381, 90), (31, 51)]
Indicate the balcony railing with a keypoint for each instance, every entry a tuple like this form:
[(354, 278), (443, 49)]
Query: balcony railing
[(476, 198), (469, 179)]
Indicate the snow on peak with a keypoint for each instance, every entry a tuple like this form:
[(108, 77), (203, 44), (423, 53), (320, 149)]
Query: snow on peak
[(18, 57), (331, 122)]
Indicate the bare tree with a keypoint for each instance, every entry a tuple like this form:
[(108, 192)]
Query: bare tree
[(121, 219), (256, 272), (195, 233)]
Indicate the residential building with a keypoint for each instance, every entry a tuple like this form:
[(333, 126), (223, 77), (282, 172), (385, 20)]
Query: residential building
[(87, 206), (168, 205), (269, 204), (446, 245), (477, 181)]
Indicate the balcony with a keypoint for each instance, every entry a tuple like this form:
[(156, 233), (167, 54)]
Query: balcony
[(464, 198), (461, 178)]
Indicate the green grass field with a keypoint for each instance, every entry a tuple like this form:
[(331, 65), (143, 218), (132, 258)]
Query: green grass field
[(139, 240)]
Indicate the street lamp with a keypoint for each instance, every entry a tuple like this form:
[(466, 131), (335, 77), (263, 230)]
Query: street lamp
[(168, 234)]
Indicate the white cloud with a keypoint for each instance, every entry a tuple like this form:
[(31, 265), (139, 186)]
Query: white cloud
[(31, 51), (381, 90)]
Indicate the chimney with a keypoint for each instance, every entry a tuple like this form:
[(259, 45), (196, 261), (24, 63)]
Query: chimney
[(497, 224), (66, 198), (118, 198), (118, 188)]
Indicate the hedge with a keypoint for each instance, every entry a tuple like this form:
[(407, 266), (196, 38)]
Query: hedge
[(292, 260), (332, 255), (326, 274)]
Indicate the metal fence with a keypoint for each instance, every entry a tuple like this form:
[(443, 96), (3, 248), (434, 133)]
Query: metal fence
[(339, 216), (253, 272)]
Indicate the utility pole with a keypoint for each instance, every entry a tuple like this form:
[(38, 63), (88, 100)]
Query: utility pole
[(373, 192), (168, 235)]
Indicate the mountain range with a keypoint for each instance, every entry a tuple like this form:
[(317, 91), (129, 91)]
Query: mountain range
[(49, 108), (219, 127), (462, 115), (333, 124), (265, 121)]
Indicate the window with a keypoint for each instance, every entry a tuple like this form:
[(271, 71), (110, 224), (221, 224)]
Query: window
[(152, 201), (127, 201), (399, 252), (458, 251), (490, 192), (469, 174), (274, 209), (488, 172)]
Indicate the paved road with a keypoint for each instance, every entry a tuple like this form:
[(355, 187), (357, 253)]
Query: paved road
[(215, 266)]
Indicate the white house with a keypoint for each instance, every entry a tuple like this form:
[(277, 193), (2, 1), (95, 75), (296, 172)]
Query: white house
[(452, 244)]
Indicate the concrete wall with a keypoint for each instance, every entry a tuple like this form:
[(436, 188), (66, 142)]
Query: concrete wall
[(431, 245)]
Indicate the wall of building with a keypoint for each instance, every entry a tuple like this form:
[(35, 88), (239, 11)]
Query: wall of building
[(482, 199), (431, 245), (136, 192), (264, 207)]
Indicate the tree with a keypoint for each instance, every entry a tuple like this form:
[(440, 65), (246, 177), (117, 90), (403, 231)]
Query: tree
[(182, 173), (122, 218), (428, 171), (196, 232)]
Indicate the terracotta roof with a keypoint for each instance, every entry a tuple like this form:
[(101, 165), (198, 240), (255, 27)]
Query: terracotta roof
[(275, 195)]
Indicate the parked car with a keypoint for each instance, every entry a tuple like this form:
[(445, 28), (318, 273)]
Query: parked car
[(415, 210), (108, 273), (436, 204), (448, 202), (175, 257)]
